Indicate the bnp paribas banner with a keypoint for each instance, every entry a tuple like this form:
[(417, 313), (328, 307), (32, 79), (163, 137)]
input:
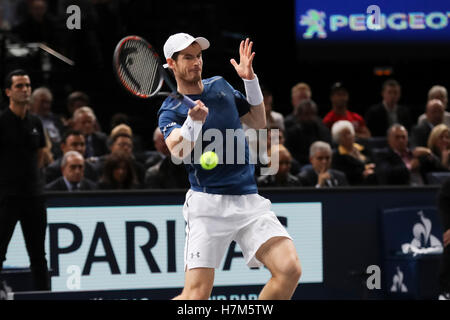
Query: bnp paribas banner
[(372, 21), (133, 247)]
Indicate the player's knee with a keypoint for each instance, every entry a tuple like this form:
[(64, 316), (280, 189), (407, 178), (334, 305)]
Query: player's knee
[(290, 270), (197, 292)]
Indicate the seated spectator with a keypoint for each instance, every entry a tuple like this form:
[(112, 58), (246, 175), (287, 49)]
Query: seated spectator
[(399, 165), (165, 174), (84, 120), (118, 173), (306, 129), (75, 100), (41, 106), (301, 91), (118, 121), (122, 143), (350, 157), (72, 179), (440, 93), (339, 104), (434, 116), (381, 116), (274, 119), (320, 175), (283, 177), (73, 140), (439, 144)]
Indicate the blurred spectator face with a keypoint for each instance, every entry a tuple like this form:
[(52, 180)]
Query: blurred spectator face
[(339, 99), (347, 138), (120, 172), (435, 112), (391, 95), (20, 91), (42, 104), (272, 132), (398, 139), (85, 123), (37, 9), (299, 94), (284, 163), (122, 145), (321, 160), (307, 115), (160, 144), (443, 141), (74, 143), (73, 171), (440, 95)]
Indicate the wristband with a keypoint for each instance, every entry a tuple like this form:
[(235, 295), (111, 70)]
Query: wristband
[(253, 91), (190, 130)]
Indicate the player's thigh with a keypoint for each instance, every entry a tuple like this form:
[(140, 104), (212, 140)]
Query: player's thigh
[(198, 283), (279, 255)]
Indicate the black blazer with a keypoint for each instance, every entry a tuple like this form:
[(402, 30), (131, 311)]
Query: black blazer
[(53, 171), (353, 168), (420, 134), (99, 144), (309, 178), (391, 170), (378, 122), (270, 181), (60, 185)]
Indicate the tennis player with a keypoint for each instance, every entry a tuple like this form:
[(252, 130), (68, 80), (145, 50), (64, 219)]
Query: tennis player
[(223, 204)]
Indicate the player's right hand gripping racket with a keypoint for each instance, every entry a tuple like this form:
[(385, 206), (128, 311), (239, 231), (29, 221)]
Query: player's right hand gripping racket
[(139, 70)]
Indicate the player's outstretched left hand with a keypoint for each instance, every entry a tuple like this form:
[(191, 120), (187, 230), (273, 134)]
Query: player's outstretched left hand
[(245, 68)]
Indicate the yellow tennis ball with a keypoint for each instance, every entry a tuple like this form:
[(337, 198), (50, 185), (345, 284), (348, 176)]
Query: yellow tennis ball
[(209, 160)]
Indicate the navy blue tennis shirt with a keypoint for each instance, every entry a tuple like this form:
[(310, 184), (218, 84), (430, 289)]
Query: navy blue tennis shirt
[(226, 105)]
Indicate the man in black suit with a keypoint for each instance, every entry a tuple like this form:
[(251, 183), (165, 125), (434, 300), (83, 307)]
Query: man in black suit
[(304, 130), (73, 140), (434, 113), (319, 174), (72, 167), (381, 116), (84, 120), (400, 165)]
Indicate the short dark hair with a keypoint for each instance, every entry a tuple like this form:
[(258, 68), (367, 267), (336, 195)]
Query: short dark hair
[(9, 76), (113, 139), (77, 96), (390, 83), (70, 132)]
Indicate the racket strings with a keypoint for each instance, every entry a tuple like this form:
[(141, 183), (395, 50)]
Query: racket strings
[(139, 68)]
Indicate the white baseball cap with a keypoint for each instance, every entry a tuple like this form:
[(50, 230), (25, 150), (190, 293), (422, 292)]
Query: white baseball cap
[(181, 41)]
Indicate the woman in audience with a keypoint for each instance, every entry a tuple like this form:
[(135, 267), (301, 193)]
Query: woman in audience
[(439, 144), (352, 158), (118, 173)]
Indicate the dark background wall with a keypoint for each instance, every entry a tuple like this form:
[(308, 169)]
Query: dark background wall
[(279, 62)]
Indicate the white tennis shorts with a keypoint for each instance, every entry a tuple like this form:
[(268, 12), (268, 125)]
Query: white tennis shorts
[(214, 220)]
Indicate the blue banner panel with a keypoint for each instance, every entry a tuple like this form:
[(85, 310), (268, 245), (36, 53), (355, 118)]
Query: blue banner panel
[(368, 21)]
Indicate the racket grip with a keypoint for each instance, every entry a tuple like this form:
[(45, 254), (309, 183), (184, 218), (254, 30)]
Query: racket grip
[(188, 101)]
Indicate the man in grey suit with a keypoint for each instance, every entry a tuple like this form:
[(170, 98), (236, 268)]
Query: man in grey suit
[(319, 174)]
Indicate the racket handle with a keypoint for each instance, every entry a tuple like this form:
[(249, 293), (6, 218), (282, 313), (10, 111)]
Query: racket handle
[(188, 101)]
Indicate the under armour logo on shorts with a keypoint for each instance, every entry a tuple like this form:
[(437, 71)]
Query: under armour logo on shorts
[(195, 254)]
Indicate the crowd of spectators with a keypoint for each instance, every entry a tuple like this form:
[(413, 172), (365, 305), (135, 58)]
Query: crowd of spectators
[(383, 146), (312, 152)]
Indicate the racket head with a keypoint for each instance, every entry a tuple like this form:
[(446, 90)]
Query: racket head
[(138, 67)]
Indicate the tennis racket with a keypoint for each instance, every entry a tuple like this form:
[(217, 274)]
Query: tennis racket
[(139, 70)]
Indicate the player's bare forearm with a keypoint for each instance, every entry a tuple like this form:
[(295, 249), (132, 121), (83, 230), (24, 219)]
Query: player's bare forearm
[(178, 146), (256, 117)]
